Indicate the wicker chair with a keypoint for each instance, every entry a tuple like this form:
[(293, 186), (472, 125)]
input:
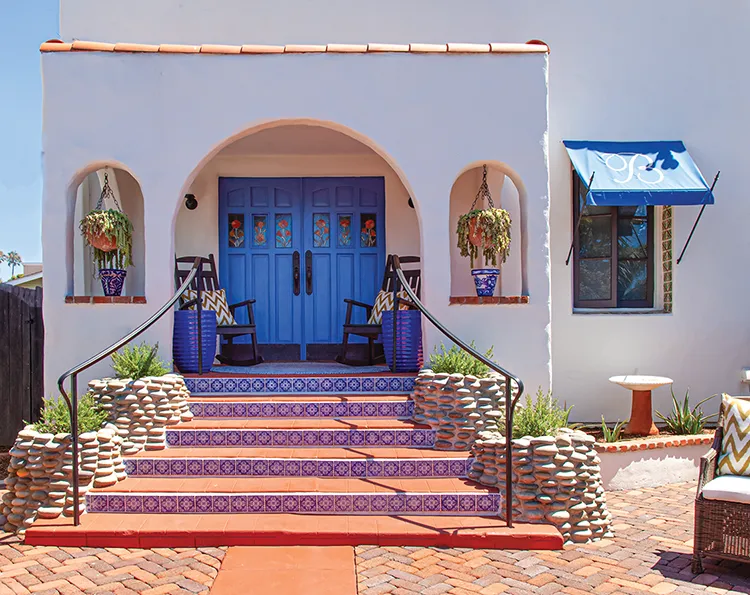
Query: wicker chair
[(722, 527)]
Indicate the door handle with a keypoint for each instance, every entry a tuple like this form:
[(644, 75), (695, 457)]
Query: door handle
[(308, 273), (295, 271)]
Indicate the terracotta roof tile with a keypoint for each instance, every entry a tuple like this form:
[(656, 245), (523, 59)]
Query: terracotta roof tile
[(262, 49), (534, 46)]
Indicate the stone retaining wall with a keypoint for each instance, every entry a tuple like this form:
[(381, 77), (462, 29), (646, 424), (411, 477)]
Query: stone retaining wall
[(40, 474), (555, 479), (457, 407), (142, 409)]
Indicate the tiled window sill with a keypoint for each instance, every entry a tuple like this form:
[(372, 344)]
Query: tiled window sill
[(627, 311), (101, 299), (493, 300)]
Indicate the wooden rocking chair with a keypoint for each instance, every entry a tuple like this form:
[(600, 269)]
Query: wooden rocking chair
[(230, 353), (372, 331)]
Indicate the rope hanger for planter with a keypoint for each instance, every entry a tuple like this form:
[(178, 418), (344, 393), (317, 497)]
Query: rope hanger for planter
[(105, 194), (484, 191)]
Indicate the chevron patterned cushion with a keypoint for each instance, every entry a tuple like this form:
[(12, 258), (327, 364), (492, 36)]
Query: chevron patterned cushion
[(216, 301), (383, 303), (735, 445)]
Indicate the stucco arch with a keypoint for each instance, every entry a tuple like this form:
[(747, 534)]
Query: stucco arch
[(267, 124), (127, 189), (465, 182)]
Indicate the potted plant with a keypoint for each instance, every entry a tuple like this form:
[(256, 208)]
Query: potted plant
[(110, 234), (486, 231)]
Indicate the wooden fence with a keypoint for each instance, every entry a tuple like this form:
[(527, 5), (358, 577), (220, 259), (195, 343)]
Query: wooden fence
[(21, 359)]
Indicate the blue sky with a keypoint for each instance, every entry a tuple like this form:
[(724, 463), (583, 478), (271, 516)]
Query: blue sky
[(24, 24)]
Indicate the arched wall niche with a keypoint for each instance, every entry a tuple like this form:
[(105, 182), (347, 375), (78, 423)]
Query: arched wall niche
[(508, 192), (83, 195)]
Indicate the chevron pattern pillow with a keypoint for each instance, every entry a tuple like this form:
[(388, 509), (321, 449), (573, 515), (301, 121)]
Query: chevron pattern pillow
[(383, 303), (216, 301), (735, 445)]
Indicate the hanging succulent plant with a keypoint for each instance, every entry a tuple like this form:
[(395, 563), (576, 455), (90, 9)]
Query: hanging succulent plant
[(485, 230), (109, 232), (110, 235)]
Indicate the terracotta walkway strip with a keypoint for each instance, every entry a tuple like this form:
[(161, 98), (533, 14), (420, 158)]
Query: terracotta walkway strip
[(287, 571)]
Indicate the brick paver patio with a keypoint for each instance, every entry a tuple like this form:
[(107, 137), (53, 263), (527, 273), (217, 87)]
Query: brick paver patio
[(650, 554)]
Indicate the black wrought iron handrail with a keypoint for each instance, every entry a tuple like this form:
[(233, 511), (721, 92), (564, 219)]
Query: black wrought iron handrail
[(510, 400), (72, 398)]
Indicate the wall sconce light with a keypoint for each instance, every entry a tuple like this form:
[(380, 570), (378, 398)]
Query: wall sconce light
[(411, 202), (190, 202)]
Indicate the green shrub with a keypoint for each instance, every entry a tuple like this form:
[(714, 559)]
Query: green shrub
[(612, 434), (456, 361), (540, 417), (683, 420), (55, 418), (138, 361)]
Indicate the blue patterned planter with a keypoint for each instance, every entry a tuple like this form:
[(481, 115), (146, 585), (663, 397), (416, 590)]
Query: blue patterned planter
[(485, 281), (408, 340), (112, 281), (185, 340)]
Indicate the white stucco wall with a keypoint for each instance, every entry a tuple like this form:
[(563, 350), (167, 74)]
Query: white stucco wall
[(174, 110), (673, 69)]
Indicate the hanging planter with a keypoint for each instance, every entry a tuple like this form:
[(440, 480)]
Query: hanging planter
[(485, 230), (109, 233)]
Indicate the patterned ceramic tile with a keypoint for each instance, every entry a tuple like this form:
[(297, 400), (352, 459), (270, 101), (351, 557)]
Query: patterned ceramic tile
[(299, 385), (305, 503)]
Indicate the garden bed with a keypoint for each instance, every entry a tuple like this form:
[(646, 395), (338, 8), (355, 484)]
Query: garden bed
[(650, 462)]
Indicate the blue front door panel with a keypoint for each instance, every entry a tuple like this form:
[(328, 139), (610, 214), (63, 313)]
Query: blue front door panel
[(336, 225)]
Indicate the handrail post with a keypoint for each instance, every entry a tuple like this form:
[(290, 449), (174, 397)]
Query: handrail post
[(74, 432), (199, 310), (394, 286), (509, 405)]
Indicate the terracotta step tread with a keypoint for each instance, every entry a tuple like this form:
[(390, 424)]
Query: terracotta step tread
[(197, 530), (299, 424), (293, 485), (296, 398), (354, 452)]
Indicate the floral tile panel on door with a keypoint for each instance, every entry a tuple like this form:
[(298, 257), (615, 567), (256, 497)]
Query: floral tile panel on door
[(260, 226), (236, 230), (345, 231), (368, 233), (321, 230), (284, 231)]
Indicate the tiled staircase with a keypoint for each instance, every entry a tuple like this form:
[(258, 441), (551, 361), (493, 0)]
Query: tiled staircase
[(259, 467)]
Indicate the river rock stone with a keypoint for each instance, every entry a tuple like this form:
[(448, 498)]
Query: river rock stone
[(555, 479)]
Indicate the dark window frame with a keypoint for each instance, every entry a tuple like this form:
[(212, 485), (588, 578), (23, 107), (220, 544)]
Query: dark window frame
[(578, 189)]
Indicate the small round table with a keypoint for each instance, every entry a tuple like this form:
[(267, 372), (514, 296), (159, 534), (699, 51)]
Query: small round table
[(641, 420)]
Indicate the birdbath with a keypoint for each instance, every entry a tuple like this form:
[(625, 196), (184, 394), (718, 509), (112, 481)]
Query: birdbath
[(641, 420)]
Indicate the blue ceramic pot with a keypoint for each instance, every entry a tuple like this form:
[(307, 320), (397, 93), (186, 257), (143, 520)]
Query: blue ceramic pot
[(485, 281), (185, 340), (112, 281)]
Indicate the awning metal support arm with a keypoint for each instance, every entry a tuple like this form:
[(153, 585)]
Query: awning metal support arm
[(703, 208), (578, 223)]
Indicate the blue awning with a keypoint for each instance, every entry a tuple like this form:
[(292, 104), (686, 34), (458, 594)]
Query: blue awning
[(638, 173)]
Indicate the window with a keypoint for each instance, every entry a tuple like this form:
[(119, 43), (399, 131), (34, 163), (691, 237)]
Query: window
[(614, 255)]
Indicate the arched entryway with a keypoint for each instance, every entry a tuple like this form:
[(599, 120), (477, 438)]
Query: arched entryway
[(300, 216)]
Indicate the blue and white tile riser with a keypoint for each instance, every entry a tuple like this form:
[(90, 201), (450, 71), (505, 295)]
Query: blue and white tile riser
[(456, 503), (262, 385), (301, 409), (420, 438), (353, 468)]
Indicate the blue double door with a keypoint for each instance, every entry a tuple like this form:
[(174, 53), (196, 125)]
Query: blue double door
[(299, 247)]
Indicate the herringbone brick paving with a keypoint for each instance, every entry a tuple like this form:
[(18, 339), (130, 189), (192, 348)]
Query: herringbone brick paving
[(650, 554)]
